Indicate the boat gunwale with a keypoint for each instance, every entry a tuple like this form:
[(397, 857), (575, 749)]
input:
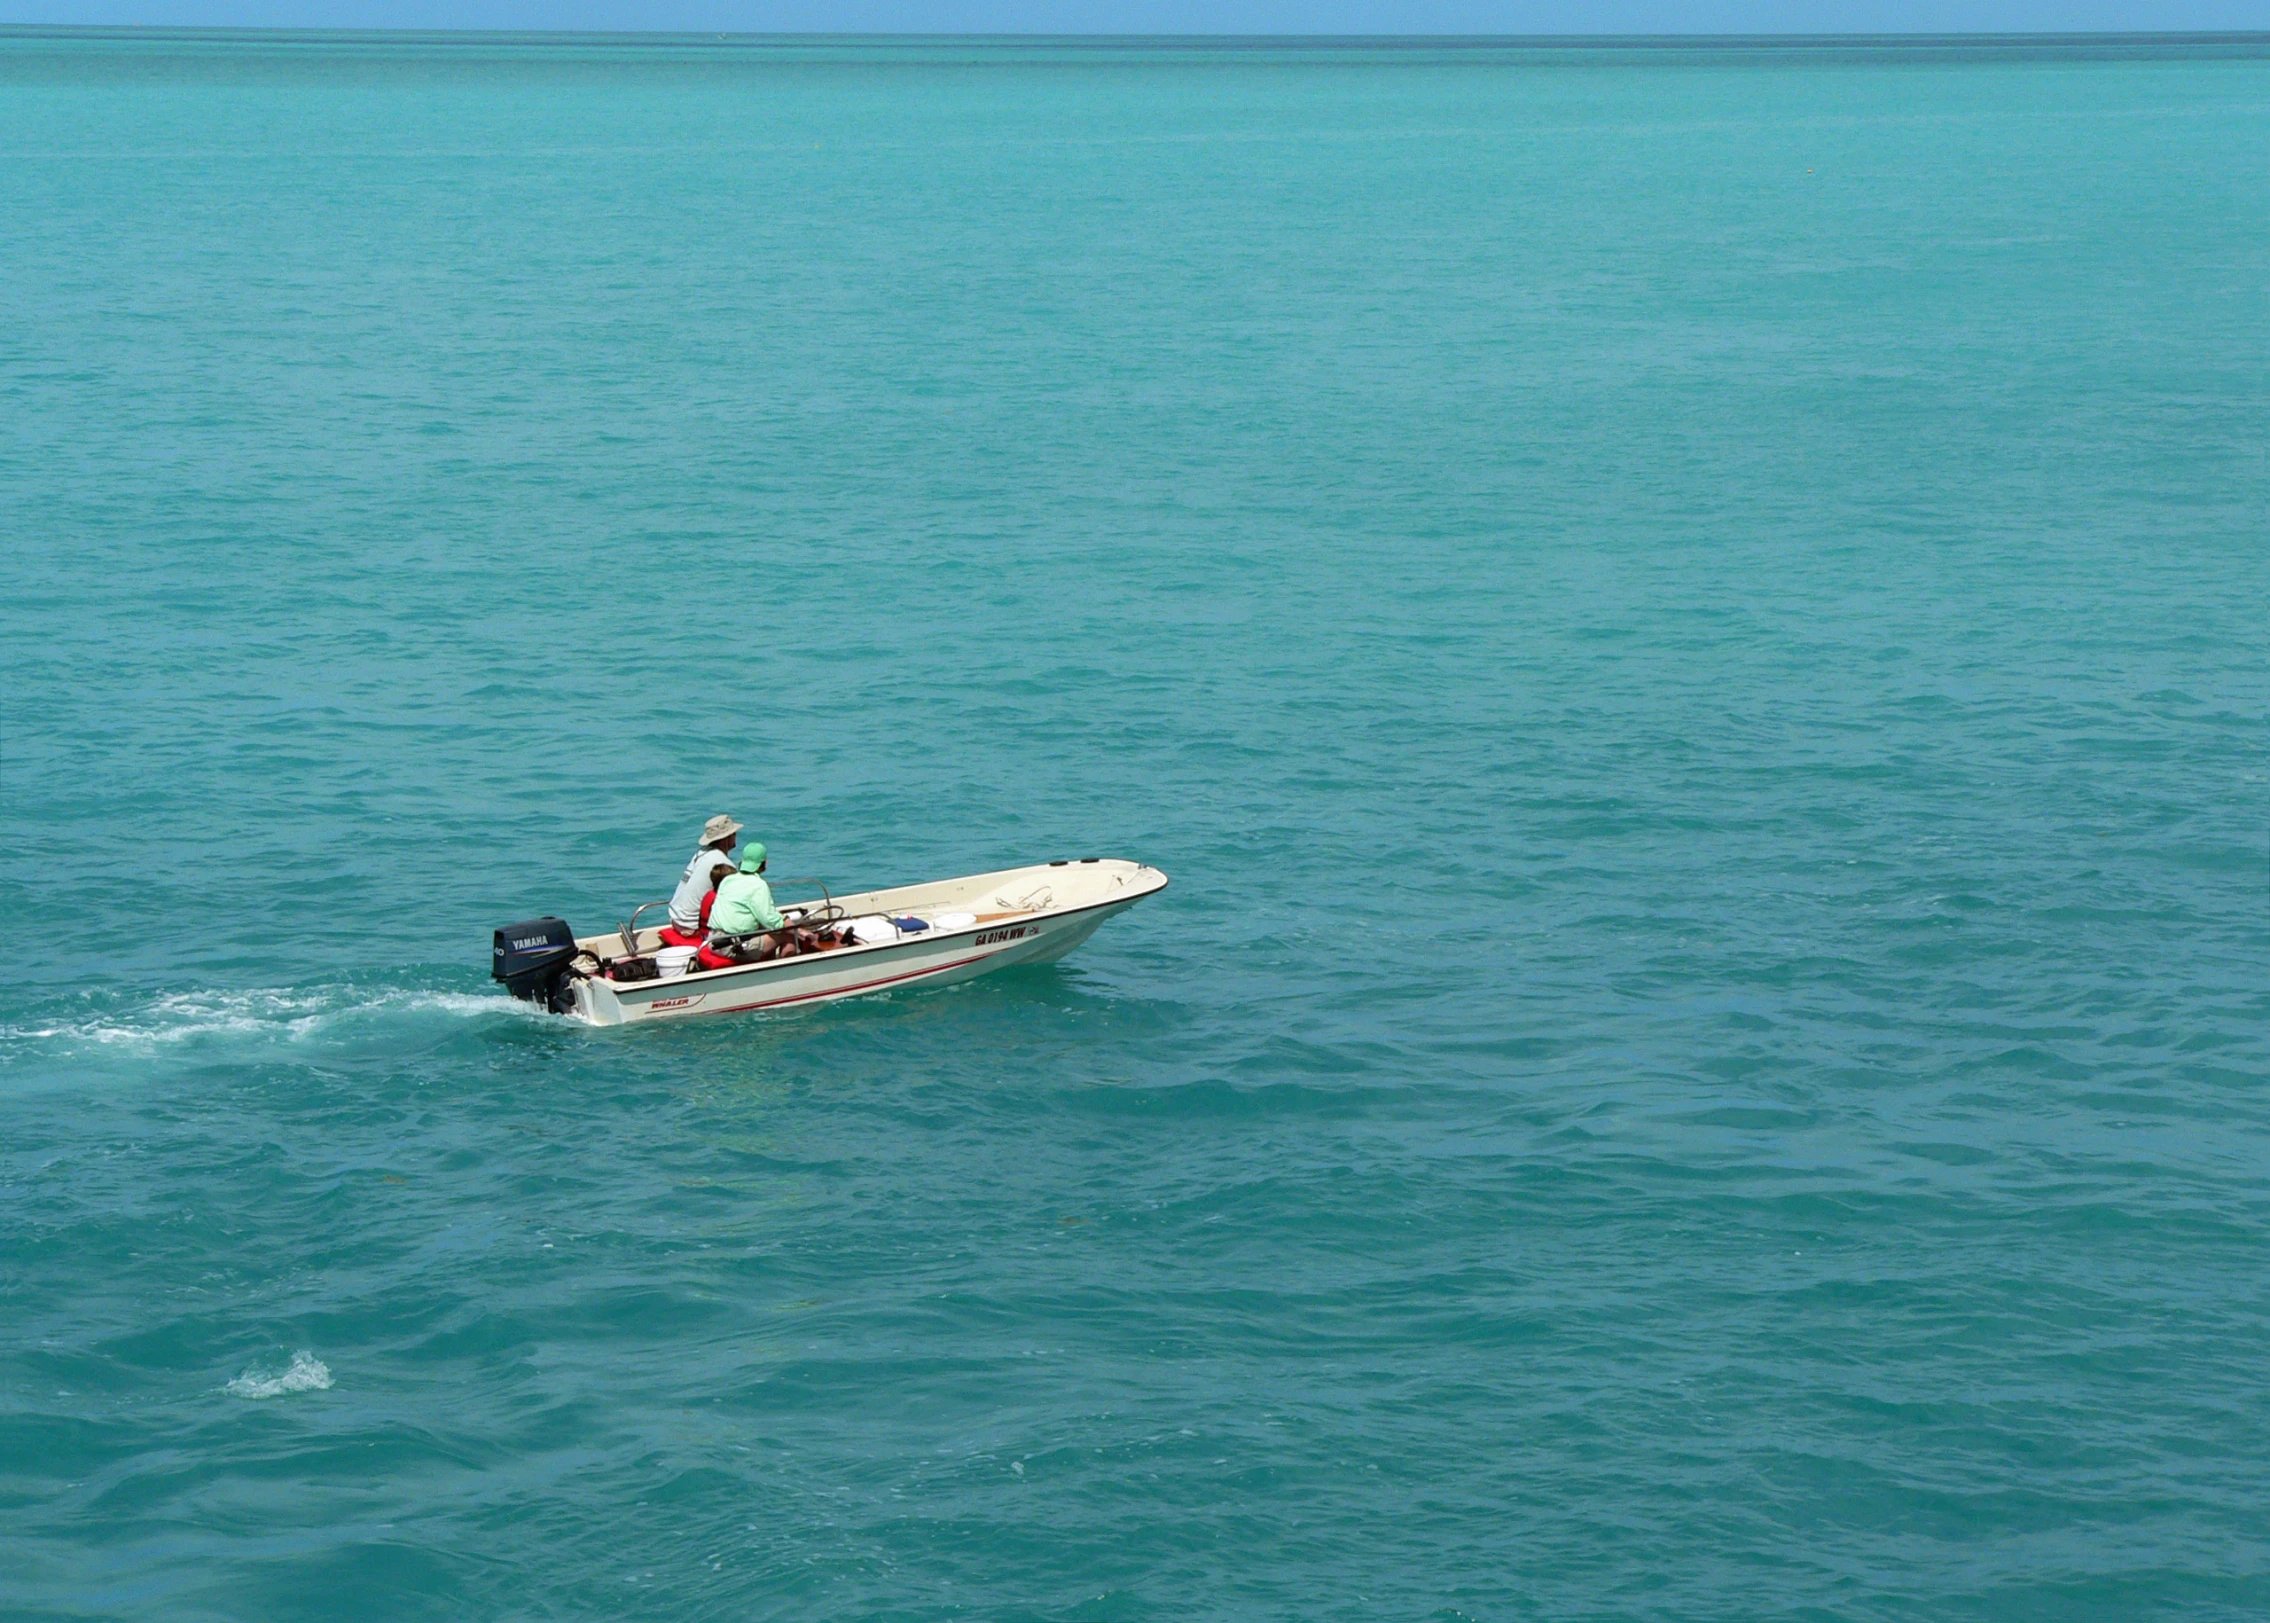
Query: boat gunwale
[(923, 938), (831, 992)]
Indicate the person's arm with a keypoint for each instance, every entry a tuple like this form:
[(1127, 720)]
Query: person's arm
[(768, 916)]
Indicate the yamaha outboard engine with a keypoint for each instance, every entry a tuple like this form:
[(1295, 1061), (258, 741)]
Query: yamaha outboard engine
[(532, 960)]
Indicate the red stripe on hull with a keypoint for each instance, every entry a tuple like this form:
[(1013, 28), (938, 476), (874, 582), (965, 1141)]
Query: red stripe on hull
[(846, 991)]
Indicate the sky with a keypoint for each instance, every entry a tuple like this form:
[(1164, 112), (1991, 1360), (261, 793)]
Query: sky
[(1176, 16)]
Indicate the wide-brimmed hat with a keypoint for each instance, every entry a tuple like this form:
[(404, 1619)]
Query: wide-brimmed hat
[(718, 828)]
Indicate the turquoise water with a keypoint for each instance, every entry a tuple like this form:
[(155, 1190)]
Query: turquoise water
[(1688, 623)]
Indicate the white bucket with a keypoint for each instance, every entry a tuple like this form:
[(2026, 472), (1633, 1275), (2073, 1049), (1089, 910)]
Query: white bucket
[(953, 921), (669, 961)]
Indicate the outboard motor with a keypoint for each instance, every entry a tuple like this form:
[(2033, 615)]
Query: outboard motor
[(532, 960)]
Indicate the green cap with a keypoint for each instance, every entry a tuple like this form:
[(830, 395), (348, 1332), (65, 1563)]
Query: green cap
[(752, 856)]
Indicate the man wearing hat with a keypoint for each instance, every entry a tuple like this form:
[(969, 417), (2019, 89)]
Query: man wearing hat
[(716, 851)]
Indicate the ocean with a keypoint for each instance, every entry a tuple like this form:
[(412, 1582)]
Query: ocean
[(1688, 621)]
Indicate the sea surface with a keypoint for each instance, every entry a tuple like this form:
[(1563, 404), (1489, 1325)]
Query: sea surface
[(1689, 623)]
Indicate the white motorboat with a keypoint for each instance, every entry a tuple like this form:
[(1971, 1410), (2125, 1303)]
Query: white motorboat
[(916, 935)]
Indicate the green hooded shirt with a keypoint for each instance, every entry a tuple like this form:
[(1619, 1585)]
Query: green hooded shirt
[(744, 905)]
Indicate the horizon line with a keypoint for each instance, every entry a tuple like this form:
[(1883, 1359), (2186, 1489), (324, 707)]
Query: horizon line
[(705, 35)]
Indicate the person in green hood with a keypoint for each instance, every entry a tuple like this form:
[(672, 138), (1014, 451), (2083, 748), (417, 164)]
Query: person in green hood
[(744, 900)]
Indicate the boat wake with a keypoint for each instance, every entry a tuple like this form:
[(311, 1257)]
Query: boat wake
[(191, 1019)]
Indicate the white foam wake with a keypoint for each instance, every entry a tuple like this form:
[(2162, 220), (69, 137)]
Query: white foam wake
[(274, 1014), (305, 1373)]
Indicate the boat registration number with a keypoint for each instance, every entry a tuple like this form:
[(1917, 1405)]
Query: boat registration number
[(992, 936)]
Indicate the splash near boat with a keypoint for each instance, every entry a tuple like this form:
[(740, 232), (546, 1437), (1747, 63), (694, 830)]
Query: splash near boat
[(828, 948)]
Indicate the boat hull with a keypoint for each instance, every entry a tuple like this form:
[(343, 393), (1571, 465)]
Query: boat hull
[(933, 958)]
